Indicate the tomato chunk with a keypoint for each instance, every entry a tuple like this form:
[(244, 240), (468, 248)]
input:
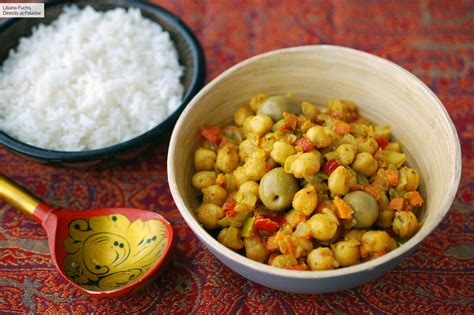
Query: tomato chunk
[(305, 144), (330, 167), (211, 133), (229, 207), (382, 142), (266, 225)]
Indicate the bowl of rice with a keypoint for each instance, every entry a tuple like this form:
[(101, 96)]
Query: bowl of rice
[(94, 83)]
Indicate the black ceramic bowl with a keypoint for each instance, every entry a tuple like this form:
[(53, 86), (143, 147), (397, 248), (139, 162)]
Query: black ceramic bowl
[(190, 54)]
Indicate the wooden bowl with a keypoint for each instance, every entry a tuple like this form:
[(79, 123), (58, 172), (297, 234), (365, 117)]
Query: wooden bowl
[(385, 93)]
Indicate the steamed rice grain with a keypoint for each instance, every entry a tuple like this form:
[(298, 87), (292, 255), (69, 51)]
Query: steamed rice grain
[(89, 80)]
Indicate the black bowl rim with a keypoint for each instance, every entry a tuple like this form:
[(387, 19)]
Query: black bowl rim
[(197, 83)]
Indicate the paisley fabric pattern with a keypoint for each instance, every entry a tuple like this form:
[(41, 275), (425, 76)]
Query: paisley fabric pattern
[(432, 38)]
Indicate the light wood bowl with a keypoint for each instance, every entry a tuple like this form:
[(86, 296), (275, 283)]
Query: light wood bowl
[(385, 93)]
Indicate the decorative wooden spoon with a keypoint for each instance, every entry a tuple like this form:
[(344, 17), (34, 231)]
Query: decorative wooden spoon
[(104, 252)]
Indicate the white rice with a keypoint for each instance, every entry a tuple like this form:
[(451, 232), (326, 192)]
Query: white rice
[(89, 80)]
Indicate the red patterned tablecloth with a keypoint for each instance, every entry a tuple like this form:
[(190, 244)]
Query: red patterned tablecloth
[(433, 39)]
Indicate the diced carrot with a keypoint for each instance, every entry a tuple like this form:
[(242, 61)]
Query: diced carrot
[(291, 120), (344, 210), (374, 191), (343, 128), (396, 204), (415, 199), (290, 245), (392, 177)]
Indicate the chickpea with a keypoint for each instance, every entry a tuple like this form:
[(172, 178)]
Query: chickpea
[(340, 181), (204, 159), (208, 214), (294, 217), (303, 230), (385, 218), (203, 179), (409, 179), (309, 110), (383, 131), (249, 187), (257, 100), (346, 252), (303, 246), (354, 234), (345, 154), (306, 200), (319, 137), (405, 224), (305, 164), (323, 226), (255, 249), (393, 146), (365, 164), (255, 166), (370, 146), (322, 258), (227, 158), (376, 242), (239, 176), (266, 142), (383, 202), (259, 124), (284, 261), (231, 238), (214, 194), (281, 150), (246, 148), (241, 114)]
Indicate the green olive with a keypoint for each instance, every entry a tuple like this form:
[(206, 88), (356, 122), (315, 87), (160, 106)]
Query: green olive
[(277, 189), (275, 106), (365, 208)]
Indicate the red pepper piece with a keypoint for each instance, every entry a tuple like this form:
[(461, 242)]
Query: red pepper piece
[(284, 127), (266, 225), (305, 144), (280, 220), (330, 167), (229, 207), (211, 133), (382, 142)]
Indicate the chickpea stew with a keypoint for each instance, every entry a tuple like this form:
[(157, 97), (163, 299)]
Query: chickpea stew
[(299, 188)]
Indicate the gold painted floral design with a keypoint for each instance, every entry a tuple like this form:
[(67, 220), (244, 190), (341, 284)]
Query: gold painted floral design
[(107, 252)]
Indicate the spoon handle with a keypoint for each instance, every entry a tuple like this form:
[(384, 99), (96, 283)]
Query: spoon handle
[(22, 199)]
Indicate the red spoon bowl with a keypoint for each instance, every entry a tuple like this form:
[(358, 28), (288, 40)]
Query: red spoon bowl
[(108, 252)]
